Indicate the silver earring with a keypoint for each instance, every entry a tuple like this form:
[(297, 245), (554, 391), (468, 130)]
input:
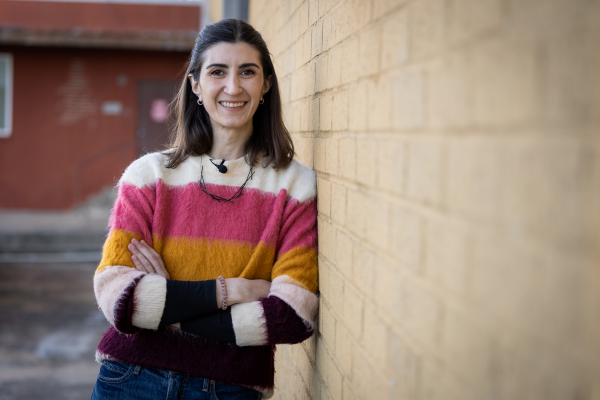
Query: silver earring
[(262, 101), (199, 101)]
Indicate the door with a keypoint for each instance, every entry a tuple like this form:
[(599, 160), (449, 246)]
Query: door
[(153, 100)]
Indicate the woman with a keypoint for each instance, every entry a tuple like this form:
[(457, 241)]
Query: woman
[(211, 256)]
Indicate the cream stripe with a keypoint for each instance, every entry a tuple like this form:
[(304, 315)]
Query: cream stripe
[(249, 324), (297, 179), (303, 301), (149, 301)]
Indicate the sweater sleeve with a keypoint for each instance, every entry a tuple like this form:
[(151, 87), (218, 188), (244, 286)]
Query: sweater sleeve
[(129, 299), (288, 314)]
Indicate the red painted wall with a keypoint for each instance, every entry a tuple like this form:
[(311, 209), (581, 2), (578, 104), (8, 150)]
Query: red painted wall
[(108, 17), (59, 129)]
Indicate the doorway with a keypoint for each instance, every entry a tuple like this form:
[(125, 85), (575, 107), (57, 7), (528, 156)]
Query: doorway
[(154, 98)]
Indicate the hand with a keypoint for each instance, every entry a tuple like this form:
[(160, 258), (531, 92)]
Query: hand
[(241, 290), (146, 259)]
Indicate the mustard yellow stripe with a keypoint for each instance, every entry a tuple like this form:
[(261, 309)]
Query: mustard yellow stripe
[(190, 259), (301, 265), (115, 250)]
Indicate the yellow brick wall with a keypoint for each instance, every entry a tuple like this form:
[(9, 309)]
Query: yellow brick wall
[(456, 144)]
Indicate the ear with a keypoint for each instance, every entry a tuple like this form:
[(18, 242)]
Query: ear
[(267, 85), (195, 86)]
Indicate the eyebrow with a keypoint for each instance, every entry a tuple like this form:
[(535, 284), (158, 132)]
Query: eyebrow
[(227, 66)]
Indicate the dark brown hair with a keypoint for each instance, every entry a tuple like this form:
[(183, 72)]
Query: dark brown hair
[(192, 135)]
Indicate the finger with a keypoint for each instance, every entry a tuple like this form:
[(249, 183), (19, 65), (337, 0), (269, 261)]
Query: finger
[(146, 264), (139, 260), (155, 259)]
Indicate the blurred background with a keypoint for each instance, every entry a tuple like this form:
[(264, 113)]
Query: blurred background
[(457, 150)]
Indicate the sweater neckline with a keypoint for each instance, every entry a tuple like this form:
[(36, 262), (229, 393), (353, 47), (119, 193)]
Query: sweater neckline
[(237, 167)]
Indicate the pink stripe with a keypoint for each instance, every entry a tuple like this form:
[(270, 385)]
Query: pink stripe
[(133, 210), (254, 217), (300, 226)]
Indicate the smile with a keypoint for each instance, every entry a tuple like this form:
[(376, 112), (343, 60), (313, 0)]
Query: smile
[(232, 105)]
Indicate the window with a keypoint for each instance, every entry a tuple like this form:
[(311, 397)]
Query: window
[(6, 82)]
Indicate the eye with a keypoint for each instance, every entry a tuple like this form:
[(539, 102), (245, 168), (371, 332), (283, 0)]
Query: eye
[(247, 72), (217, 72)]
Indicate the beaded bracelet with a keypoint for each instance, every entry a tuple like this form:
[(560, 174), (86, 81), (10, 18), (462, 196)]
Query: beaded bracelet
[(224, 288)]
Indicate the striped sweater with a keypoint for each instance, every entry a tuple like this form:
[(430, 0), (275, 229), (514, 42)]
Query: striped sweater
[(268, 233)]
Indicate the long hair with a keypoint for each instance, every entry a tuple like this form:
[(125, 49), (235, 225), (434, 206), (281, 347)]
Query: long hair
[(191, 133)]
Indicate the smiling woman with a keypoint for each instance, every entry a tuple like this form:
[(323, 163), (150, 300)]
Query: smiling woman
[(211, 259)]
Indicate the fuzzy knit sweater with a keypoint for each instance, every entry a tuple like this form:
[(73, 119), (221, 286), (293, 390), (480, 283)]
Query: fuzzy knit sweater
[(269, 233)]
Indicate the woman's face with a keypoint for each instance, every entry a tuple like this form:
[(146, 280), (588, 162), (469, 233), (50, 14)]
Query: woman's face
[(231, 85)]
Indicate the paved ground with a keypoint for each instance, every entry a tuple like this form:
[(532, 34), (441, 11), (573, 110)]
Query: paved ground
[(49, 328)]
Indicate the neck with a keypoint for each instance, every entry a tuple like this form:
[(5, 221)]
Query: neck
[(228, 143)]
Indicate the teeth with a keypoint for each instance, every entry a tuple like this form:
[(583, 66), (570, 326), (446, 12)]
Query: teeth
[(231, 105)]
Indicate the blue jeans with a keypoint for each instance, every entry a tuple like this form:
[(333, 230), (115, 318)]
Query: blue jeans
[(121, 381)]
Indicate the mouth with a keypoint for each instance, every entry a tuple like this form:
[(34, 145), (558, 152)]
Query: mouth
[(233, 105)]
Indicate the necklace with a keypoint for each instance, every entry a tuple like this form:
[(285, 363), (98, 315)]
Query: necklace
[(233, 198)]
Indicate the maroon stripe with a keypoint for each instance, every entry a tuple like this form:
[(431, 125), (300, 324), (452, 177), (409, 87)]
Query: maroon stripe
[(182, 352), (284, 326), (124, 309)]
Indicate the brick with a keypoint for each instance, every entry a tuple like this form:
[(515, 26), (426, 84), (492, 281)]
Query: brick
[(378, 223), (504, 82), (363, 270), (334, 75), (303, 18), (313, 11), (324, 197), (366, 161), (314, 114), (383, 7), (405, 369), (476, 172), (426, 27), (367, 382), (425, 171), (326, 107), (304, 150), (391, 162), (339, 119), (343, 254), (446, 256), (421, 315), (357, 107), (394, 41), (471, 18), (379, 104), (349, 64), (328, 33), (368, 51), (327, 234), (321, 72), (298, 84), (306, 47), (357, 215), (353, 312), (440, 385), (468, 351), (338, 203), (332, 156), (347, 157), (316, 38), (347, 393), (407, 101), (376, 339), (343, 349), (450, 102), (320, 155), (407, 230), (311, 80), (304, 115), (327, 325), (332, 288)]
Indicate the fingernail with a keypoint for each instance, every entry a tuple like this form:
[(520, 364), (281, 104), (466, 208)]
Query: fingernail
[(143, 241), (133, 240)]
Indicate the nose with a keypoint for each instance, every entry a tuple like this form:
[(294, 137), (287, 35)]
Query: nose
[(232, 87)]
